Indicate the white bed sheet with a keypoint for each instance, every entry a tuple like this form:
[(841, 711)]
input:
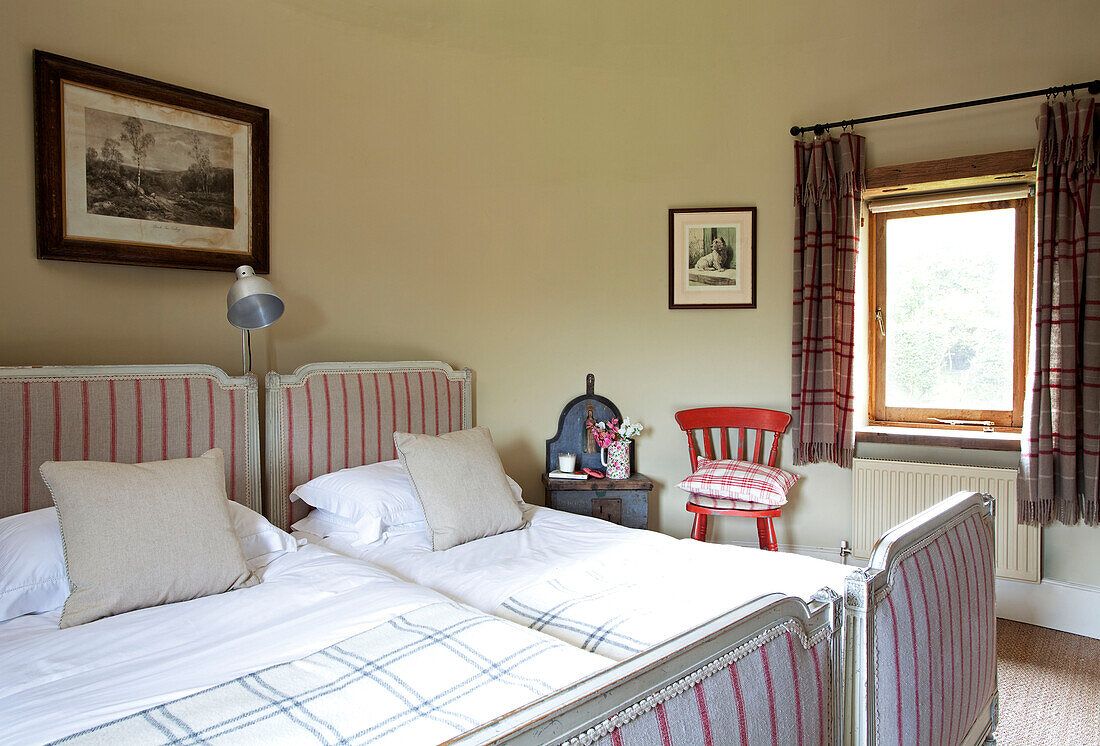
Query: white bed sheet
[(486, 572), (113, 667)]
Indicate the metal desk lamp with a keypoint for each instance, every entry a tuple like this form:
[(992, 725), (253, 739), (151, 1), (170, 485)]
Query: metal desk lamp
[(252, 303)]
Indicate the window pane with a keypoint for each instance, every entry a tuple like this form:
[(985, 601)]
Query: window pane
[(949, 314)]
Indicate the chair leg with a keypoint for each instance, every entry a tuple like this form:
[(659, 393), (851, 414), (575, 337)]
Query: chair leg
[(699, 527), (766, 534)]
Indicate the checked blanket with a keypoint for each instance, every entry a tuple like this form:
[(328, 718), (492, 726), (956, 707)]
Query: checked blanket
[(420, 678)]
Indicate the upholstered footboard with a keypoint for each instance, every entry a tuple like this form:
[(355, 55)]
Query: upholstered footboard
[(768, 672), (921, 635)]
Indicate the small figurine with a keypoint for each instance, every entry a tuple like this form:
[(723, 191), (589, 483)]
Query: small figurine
[(589, 423)]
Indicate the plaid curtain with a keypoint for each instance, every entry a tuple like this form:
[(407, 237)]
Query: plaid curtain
[(1060, 449), (828, 195)]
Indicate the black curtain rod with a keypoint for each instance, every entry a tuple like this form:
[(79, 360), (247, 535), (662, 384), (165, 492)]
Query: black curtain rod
[(819, 129)]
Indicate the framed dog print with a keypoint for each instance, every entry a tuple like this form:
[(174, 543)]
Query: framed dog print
[(712, 257), (133, 171)]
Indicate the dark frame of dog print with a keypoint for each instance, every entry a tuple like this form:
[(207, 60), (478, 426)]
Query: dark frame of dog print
[(712, 257)]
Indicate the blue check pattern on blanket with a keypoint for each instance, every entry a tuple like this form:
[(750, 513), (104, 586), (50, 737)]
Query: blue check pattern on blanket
[(598, 610), (419, 678), (600, 621)]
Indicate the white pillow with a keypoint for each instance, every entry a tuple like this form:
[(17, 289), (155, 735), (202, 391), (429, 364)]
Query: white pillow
[(373, 498), (260, 540), (32, 561), (32, 564), (322, 523)]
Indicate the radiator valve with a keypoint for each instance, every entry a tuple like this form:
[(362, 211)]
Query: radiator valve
[(845, 550)]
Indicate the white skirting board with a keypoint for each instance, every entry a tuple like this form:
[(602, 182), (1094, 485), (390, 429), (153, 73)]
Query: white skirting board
[(1070, 607)]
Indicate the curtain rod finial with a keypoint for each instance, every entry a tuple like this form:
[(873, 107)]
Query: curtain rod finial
[(1094, 87), (796, 131)]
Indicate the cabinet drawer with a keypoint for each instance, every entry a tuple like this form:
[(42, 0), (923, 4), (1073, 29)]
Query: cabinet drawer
[(626, 507)]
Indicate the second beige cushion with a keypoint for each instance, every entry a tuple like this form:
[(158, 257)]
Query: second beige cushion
[(138, 535), (461, 485)]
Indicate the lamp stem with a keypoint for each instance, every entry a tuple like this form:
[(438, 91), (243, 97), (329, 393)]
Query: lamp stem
[(246, 351)]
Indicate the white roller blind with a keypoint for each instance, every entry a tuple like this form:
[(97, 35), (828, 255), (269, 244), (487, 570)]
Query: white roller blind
[(945, 199)]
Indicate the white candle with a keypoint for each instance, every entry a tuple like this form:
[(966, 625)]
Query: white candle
[(567, 461)]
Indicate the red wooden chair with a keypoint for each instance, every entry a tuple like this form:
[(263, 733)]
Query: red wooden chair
[(699, 426)]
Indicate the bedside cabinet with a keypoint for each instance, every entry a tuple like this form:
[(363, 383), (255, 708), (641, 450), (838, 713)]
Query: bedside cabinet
[(622, 501)]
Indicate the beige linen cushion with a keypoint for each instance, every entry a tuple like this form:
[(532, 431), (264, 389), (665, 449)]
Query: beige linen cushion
[(138, 535), (461, 485)]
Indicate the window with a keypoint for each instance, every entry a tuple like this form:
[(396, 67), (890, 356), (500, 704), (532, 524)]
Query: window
[(949, 308)]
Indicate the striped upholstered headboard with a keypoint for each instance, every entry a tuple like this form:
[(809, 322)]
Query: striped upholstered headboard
[(325, 417), (125, 413)]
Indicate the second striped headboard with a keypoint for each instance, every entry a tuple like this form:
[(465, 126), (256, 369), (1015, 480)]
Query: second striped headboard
[(324, 417)]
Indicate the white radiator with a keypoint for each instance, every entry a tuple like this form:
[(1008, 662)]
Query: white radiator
[(885, 493)]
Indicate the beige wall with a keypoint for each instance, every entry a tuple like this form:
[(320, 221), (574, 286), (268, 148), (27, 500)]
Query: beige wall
[(487, 182)]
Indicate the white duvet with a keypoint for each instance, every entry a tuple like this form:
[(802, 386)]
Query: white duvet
[(680, 582), (54, 682)]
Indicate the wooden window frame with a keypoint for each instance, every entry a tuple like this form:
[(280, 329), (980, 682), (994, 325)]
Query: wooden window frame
[(931, 179)]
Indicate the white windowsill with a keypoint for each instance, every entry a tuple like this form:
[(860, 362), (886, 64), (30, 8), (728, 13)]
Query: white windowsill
[(921, 436)]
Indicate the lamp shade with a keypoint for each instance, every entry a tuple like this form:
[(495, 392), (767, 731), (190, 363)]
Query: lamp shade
[(252, 302)]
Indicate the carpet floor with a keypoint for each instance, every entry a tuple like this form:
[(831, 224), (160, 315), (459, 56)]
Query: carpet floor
[(1049, 684)]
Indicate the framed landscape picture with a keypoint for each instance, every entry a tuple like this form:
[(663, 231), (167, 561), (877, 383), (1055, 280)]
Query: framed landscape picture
[(712, 257), (132, 171)]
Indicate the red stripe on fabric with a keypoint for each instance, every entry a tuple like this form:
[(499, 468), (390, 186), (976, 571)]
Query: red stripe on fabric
[(824, 731), (985, 540), (232, 445), (916, 662), (423, 406), (344, 390), (450, 421), (704, 716), (897, 660), (950, 636), (408, 403), (797, 693), (965, 619), (163, 419), (114, 420), (393, 406), (362, 421), (662, 724), (435, 387), (289, 460), (973, 606), (942, 681), (928, 636), (328, 426), (289, 446), (26, 446), (210, 399), (771, 696), (979, 600), (378, 419), (139, 423), (56, 420), (739, 699), (187, 408), (617, 737), (85, 416), (309, 429)]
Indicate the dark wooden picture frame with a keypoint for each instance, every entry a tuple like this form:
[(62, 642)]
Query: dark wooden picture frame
[(207, 216), (712, 257)]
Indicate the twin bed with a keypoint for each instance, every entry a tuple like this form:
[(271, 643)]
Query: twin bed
[(569, 631)]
